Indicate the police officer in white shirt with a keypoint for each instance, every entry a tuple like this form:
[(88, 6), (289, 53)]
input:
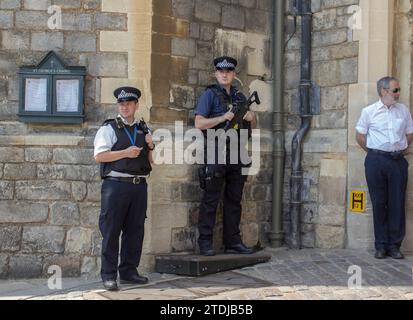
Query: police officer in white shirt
[(384, 130), (123, 147)]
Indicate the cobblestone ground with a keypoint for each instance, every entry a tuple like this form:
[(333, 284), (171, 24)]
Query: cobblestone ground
[(290, 275)]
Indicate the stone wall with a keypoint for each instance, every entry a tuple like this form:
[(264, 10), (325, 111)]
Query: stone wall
[(334, 68)]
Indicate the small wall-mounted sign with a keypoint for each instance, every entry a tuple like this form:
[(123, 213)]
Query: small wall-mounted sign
[(51, 92), (358, 201)]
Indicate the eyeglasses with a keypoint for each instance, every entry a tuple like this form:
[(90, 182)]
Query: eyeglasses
[(396, 90)]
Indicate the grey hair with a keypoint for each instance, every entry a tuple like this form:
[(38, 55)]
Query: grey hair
[(384, 83)]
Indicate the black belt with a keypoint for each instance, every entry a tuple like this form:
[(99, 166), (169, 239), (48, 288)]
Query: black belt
[(394, 155), (134, 180)]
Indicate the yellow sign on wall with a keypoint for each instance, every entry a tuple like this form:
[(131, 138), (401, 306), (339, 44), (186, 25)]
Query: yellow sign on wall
[(358, 201)]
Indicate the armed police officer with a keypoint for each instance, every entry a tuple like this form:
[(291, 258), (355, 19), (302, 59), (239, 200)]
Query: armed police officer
[(213, 111), (123, 148)]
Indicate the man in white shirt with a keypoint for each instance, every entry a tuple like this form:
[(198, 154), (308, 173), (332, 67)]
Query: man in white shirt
[(123, 148), (384, 131)]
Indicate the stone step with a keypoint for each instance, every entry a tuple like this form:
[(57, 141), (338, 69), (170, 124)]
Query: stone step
[(196, 265)]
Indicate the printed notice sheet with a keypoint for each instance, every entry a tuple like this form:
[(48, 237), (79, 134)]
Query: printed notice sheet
[(36, 94), (67, 95)]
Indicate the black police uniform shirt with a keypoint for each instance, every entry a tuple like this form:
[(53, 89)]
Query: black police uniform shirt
[(210, 105), (105, 139)]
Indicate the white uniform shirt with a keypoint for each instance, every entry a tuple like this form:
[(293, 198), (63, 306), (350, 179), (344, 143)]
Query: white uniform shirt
[(386, 128), (105, 139)]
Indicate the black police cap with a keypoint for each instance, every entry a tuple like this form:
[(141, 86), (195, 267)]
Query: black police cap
[(225, 63), (127, 94)]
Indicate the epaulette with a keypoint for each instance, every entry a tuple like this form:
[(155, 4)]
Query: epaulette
[(106, 122)]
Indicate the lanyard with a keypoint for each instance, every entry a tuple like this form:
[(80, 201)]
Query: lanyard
[(135, 133)]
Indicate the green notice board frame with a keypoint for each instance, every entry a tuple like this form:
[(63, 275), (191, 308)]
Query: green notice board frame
[(51, 92)]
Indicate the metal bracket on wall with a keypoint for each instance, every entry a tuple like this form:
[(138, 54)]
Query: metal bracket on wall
[(315, 100)]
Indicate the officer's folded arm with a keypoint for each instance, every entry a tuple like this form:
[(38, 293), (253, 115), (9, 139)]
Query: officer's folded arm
[(203, 123), (110, 156)]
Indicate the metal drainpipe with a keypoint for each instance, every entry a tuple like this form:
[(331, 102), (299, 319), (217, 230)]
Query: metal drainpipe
[(276, 235), (296, 181)]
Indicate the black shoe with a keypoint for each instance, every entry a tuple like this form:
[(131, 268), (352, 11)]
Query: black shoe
[(205, 248), (110, 285), (395, 254), (207, 252), (135, 279), (239, 248), (380, 254)]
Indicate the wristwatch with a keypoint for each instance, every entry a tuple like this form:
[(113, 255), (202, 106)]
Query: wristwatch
[(152, 147)]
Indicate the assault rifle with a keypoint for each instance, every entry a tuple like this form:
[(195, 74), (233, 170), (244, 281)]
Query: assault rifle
[(240, 109)]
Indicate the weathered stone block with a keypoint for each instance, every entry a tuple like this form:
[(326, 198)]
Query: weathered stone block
[(183, 47), (207, 32), (43, 239), (182, 96), (32, 20), (43, 190), (90, 267), (233, 17), (77, 22), (331, 215), (81, 42), (10, 4), (93, 191), (6, 19), (79, 240), (332, 190), (89, 214), (64, 214), (106, 64), (20, 171), (79, 190), (329, 237), (109, 21), (183, 239), (170, 215), (25, 266), (209, 11), (6, 190), (249, 233), (325, 19), (73, 156), (15, 40), (36, 4), (40, 155), (22, 212), (96, 243), (4, 259), (258, 21), (183, 9), (68, 4), (69, 264), (203, 58), (10, 238), (11, 154), (329, 37)]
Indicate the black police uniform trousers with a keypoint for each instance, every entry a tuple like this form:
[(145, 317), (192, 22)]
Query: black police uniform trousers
[(231, 179), (123, 210), (386, 177)]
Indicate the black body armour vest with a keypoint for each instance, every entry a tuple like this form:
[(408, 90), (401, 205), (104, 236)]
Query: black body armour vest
[(225, 101), (139, 166)]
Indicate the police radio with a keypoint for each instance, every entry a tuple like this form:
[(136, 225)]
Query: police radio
[(144, 127), (119, 123)]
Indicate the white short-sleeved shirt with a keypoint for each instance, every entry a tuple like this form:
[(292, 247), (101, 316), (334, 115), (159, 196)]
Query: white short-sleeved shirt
[(386, 127), (105, 139)]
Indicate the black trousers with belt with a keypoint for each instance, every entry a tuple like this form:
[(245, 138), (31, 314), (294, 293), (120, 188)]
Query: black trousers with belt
[(123, 210), (387, 181), (230, 178)]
